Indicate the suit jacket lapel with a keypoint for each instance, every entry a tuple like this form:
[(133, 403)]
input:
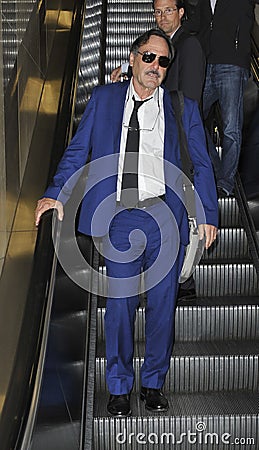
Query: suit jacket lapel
[(171, 152), (118, 102), (177, 35)]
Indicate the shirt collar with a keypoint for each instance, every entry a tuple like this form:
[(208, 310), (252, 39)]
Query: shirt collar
[(131, 92)]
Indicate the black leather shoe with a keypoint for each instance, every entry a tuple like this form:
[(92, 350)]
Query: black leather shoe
[(119, 405), (154, 399)]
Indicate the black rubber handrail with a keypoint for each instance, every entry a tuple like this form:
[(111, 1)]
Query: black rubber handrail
[(20, 394), (103, 42), (240, 191), (247, 222)]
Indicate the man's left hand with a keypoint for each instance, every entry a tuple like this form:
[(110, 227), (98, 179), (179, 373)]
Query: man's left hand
[(210, 233)]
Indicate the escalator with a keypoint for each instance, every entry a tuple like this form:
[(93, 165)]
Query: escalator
[(212, 384)]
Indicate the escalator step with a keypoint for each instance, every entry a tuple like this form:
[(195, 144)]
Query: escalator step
[(226, 279), (203, 323), (216, 421), (229, 215), (213, 280), (200, 372), (231, 245), (181, 404)]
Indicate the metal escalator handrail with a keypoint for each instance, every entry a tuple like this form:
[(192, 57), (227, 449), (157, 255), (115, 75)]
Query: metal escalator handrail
[(42, 288), (49, 228), (29, 349), (247, 222), (103, 42)]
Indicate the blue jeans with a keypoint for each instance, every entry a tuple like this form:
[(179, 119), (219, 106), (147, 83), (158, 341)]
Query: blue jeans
[(226, 83)]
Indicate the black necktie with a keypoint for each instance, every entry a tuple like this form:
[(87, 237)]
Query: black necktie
[(129, 188)]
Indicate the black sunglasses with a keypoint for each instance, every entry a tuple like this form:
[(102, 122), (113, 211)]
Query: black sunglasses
[(148, 58)]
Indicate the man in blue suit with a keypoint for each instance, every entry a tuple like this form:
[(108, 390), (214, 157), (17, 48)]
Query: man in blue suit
[(131, 132)]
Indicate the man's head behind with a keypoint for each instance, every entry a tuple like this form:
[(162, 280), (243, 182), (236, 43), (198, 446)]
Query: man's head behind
[(168, 14), (150, 55), (145, 37)]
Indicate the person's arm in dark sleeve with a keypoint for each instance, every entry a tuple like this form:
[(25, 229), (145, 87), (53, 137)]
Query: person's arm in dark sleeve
[(192, 69)]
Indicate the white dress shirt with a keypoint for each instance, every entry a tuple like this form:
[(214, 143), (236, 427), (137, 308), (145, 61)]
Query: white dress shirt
[(213, 4), (151, 144)]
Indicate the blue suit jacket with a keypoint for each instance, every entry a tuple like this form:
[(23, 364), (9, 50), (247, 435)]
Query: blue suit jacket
[(99, 134)]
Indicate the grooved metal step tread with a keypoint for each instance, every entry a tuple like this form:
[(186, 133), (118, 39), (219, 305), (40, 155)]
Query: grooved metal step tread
[(223, 252), (226, 279), (181, 404), (214, 280), (198, 373), (230, 264), (200, 369), (227, 300), (199, 349), (229, 214), (202, 323), (231, 243), (189, 424), (231, 246)]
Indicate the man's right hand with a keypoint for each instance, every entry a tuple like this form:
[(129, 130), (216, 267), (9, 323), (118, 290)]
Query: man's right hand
[(48, 203), (116, 74)]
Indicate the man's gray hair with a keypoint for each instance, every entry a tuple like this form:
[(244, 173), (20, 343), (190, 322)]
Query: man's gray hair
[(144, 38)]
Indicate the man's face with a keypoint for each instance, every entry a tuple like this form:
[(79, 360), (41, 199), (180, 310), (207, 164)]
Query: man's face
[(148, 76), (168, 22)]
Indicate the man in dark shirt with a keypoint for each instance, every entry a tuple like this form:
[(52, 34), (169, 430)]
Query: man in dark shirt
[(187, 71), (224, 31)]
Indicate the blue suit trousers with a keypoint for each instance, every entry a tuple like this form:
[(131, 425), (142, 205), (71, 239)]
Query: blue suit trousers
[(141, 241)]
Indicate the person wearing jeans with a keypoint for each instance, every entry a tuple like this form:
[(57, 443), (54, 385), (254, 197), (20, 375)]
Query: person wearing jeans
[(223, 28), (226, 83)]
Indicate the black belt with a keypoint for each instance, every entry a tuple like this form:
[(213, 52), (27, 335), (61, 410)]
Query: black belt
[(146, 203)]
